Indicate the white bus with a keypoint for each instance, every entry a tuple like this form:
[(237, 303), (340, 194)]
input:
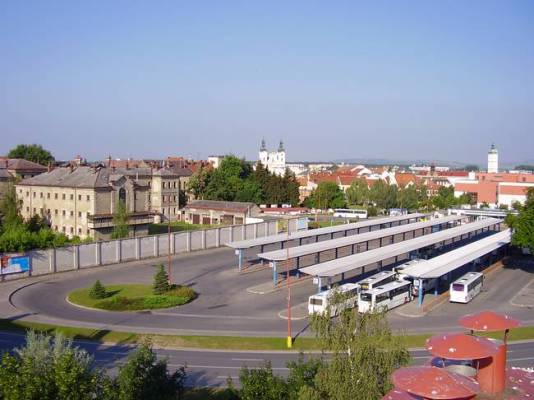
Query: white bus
[(350, 213), (378, 279), (320, 302), (466, 288), (403, 272), (385, 297)]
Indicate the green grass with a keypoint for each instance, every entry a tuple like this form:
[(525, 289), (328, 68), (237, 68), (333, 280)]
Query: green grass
[(176, 226), (132, 297), (212, 342)]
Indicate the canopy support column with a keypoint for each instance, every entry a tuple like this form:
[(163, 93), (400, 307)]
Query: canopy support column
[(240, 259), (275, 273), (420, 293), (319, 284)]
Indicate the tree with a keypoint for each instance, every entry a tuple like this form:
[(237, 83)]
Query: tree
[(364, 352), (98, 291), (261, 383), (445, 198), (471, 167), (10, 208), (50, 369), (358, 192), (161, 281), (250, 191), (143, 377), (198, 182), (408, 197), (328, 195), (31, 152), (121, 228), (384, 195), (523, 224)]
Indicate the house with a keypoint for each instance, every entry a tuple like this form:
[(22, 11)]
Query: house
[(12, 169), (212, 212)]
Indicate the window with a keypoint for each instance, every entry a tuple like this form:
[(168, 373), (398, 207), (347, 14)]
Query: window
[(64, 212), (41, 195), (88, 214), (71, 229), (34, 210), (72, 197), (79, 214), (458, 287), (63, 229), (55, 212), (55, 196), (79, 197), (79, 231), (164, 198), (34, 195), (55, 228), (88, 232), (72, 213), (48, 195), (27, 194), (63, 196), (48, 211), (88, 198), (28, 209)]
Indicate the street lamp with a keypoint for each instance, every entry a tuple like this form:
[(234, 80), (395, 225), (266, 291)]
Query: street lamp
[(289, 336)]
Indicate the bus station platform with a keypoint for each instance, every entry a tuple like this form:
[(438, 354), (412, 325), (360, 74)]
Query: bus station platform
[(315, 235), (357, 262)]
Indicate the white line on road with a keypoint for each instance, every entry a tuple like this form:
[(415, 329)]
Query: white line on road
[(248, 359), (518, 359), (221, 367)]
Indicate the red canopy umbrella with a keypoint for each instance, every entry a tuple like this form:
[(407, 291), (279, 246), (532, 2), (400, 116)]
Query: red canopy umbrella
[(459, 346), (397, 394), (521, 382), (434, 383), (488, 321)]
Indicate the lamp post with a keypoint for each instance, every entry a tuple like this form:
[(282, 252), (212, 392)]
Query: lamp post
[(289, 336)]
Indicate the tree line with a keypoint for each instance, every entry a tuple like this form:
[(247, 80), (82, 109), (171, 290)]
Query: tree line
[(382, 196), (237, 180)]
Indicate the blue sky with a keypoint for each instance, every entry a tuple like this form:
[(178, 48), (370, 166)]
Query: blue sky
[(414, 79)]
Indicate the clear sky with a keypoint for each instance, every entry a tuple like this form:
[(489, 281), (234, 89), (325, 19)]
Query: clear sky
[(413, 79)]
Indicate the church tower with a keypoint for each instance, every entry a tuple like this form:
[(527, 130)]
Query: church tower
[(493, 160)]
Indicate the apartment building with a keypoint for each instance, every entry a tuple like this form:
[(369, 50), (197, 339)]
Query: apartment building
[(167, 183), (82, 200)]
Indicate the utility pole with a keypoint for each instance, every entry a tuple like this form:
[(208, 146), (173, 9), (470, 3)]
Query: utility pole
[(289, 336)]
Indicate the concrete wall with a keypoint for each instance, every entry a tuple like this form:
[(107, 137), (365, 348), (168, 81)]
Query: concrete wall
[(70, 258)]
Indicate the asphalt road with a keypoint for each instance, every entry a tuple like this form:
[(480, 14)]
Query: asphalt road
[(212, 368)]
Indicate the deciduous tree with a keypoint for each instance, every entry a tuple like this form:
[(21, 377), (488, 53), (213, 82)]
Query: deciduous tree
[(31, 152)]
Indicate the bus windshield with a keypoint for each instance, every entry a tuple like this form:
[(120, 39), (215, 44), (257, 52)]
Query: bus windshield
[(316, 302), (366, 296), (459, 287)]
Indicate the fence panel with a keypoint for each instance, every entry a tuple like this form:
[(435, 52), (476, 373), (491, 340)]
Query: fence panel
[(196, 240), (262, 229), (147, 246), (237, 233), (128, 249), (225, 235), (65, 258), (40, 262), (163, 244), (211, 238), (108, 252), (87, 254), (249, 231), (180, 242)]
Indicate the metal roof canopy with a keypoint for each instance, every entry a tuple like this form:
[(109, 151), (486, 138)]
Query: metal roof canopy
[(282, 237), (312, 248), (445, 263), (349, 263)]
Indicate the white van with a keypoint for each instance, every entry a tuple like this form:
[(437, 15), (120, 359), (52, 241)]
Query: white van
[(320, 302)]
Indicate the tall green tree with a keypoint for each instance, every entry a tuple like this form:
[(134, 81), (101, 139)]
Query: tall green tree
[(523, 224), (384, 195), (445, 198), (31, 152), (10, 208), (363, 354), (121, 229), (358, 192), (227, 181), (198, 182), (408, 197), (328, 195)]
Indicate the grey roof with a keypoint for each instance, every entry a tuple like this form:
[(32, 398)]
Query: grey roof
[(79, 177), (238, 206), (173, 172), (21, 164), (349, 263), (445, 263), (283, 237), (312, 248), (4, 174)]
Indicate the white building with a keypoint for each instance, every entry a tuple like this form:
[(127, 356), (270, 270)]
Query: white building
[(493, 160), (274, 161), (215, 161)]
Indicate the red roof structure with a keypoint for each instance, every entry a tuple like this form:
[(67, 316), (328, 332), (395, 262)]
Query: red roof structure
[(397, 394), (488, 321), (459, 346), (435, 383)]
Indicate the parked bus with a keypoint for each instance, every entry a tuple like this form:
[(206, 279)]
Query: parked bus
[(350, 213), (320, 302), (403, 272), (467, 287), (378, 279), (386, 297)]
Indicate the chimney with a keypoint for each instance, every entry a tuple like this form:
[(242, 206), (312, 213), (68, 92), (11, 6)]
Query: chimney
[(50, 168), (109, 161)]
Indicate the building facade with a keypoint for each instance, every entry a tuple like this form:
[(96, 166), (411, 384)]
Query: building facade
[(169, 193), (211, 212), (274, 161), (81, 201)]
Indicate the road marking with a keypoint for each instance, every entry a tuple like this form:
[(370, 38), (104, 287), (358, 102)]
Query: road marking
[(226, 377), (222, 367), (518, 359), (248, 359)]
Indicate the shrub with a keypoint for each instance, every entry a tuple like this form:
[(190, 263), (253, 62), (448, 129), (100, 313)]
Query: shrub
[(161, 281), (98, 291), (181, 291), (121, 303)]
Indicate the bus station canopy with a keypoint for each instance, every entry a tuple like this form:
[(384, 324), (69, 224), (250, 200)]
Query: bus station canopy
[(283, 237), (313, 248), (349, 263), (445, 263)]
